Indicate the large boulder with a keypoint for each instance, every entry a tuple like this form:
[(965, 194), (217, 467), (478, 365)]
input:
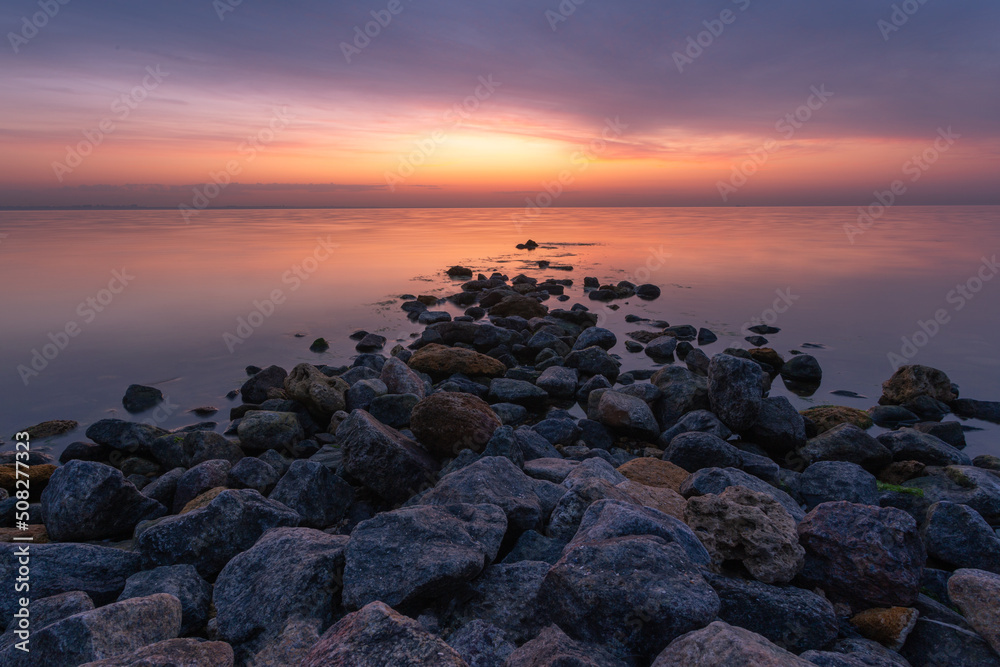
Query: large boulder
[(627, 414), (779, 428), (126, 437), (554, 647), (936, 643), (181, 581), (735, 390), (681, 392), (863, 555), (747, 526), (420, 552), (848, 443), (837, 480), (722, 644), (506, 596), (45, 611), (572, 505), (320, 394), (959, 536), (701, 421), (481, 644), (654, 472), (314, 491), (716, 480), (170, 652), (209, 537), (255, 389), (911, 382), (401, 379), (594, 360), (199, 479), (383, 459), (908, 444), (260, 430), (86, 500), (696, 450), (637, 591), (289, 572), (559, 381), (441, 361), (976, 592)]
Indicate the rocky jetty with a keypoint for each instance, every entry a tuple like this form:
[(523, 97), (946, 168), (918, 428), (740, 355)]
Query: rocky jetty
[(500, 493)]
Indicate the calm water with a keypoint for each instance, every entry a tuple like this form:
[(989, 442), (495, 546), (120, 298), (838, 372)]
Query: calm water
[(162, 319)]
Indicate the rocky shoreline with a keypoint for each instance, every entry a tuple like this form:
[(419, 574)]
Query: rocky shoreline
[(445, 504)]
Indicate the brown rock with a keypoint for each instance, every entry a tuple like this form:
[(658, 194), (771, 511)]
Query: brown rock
[(427, 299), (749, 526), (36, 532), (910, 382), (977, 592), (826, 417), (889, 627), (654, 472), (50, 428), (722, 644), (767, 356), (519, 306), (37, 476), (203, 500), (666, 500), (321, 395), (440, 361), (901, 471), (448, 422), (173, 652)]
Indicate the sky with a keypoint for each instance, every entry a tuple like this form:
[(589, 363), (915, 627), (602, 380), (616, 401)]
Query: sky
[(405, 103)]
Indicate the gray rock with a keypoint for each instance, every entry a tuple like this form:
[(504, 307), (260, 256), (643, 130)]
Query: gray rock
[(86, 500), (377, 635), (558, 431), (960, 537), (511, 414), (838, 480), (383, 459), (289, 573), (595, 336), (199, 479), (201, 446), (639, 591), (260, 430), (871, 654), (314, 491), (592, 468), (394, 410), (571, 507), (363, 392), (970, 409), (504, 390), (503, 443), (252, 473), (275, 460), (507, 596), (697, 362), (211, 536), (139, 398), (965, 485), (699, 420), (551, 470), (535, 546), (626, 414), (661, 349), (951, 432), (481, 644), (123, 436), (595, 435), (780, 429), (594, 360), (735, 390), (559, 381), (255, 389), (419, 552), (716, 480), (934, 644), (399, 378), (908, 444), (174, 652), (491, 480), (682, 392), (795, 619), (534, 446), (181, 581), (291, 647), (722, 644), (553, 647), (847, 442), (891, 416), (696, 450), (760, 467), (45, 611)]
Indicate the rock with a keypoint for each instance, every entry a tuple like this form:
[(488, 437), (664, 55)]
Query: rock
[(951, 432), (506, 596), (553, 647), (134, 438), (491, 480), (803, 368), (255, 389), (976, 592), (661, 349), (201, 446), (837, 480), (139, 398), (608, 519), (181, 581), (825, 417), (459, 272), (173, 652), (590, 386), (779, 428), (847, 443), (289, 573), (695, 450), (892, 416), (716, 480), (199, 479), (85, 500), (260, 430), (933, 644), (373, 342), (558, 381), (866, 556), (291, 646), (735, 391), (889, 627), (960, 537), (85, 451), (654, 472), (748, 526), (419, 552), (627, 414), (440, 361), (509, 413), (321, 395), (210, 537), (504, 390), (667, 501), (45, 611), (519, 306), (448, 422), (595, 336), (569, 510), (966, 485), (558, 431), (647, 292), (252, 473), (901, 471), (534, 446), (400, 379), (911, 382), (795, 619), (699, 420), (640, 592), (594, 360), (363, 392), (107, 632), (377, 635), (50, 429), (383, 459), (318, 495), (721, 644), (503, 443), (969, 409), (481, 645), (908, 444), (869, 653), (394, 410)]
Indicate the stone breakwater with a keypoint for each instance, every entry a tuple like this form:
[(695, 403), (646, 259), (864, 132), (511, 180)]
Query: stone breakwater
[(446, 504)]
